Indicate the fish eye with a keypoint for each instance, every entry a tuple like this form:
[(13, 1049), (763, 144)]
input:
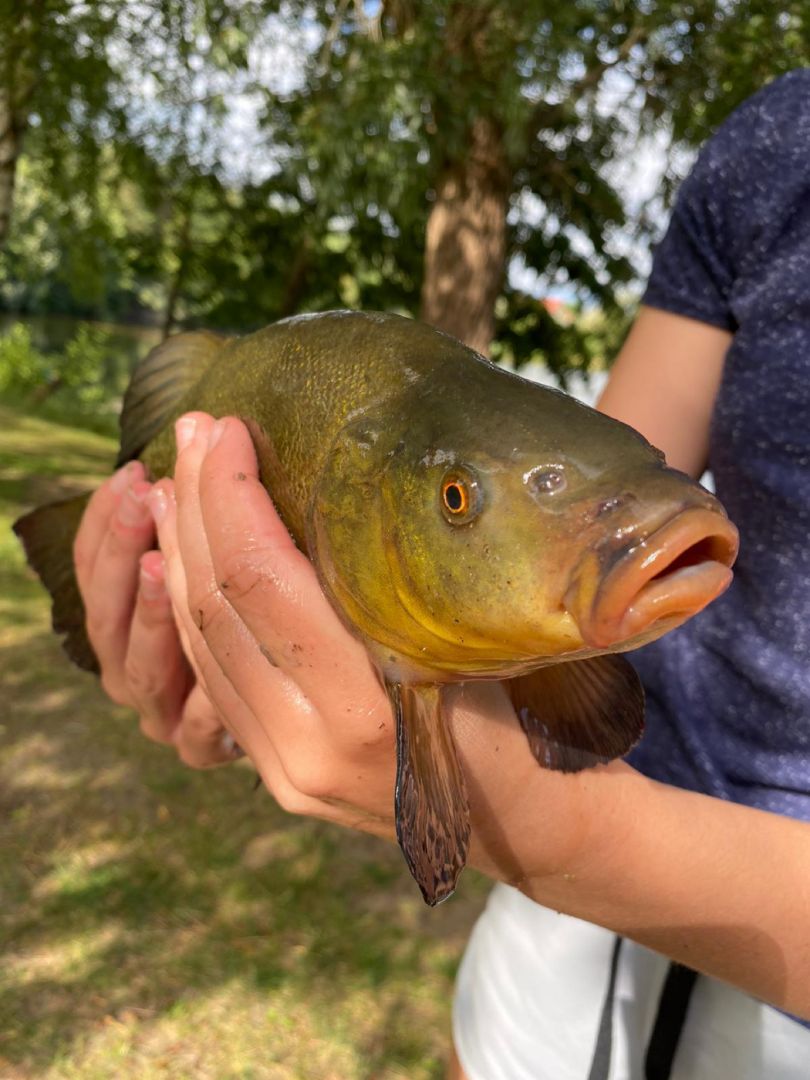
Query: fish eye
[(456, 498), (460, 496), (546, 481)]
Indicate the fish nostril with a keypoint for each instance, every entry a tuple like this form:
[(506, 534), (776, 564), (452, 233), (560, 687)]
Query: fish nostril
[(615, 502), (607, 505)]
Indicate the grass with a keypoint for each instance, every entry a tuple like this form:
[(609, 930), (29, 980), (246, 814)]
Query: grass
[(157, 922)]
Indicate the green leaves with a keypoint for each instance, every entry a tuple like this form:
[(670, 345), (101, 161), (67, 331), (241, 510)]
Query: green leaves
[(231, 161), (22, 367)]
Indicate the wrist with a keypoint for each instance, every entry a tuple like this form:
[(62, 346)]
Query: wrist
[(531, 827), (606, 806)]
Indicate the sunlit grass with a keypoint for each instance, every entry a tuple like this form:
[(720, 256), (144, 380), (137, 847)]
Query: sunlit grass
[(156, 922)]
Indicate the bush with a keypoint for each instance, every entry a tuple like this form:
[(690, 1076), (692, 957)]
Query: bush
[(69, 385), (82, 365), (23, 368)]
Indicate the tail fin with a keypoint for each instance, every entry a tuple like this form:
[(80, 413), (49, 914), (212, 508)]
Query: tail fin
[(156, 393), (47, 535)]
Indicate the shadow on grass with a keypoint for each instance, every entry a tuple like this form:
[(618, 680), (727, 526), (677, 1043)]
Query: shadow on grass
[(132, 884), (135, 892)]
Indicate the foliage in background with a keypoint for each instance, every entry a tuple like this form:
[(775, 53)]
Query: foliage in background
[(80, 383), (181, 162), (22, 367)]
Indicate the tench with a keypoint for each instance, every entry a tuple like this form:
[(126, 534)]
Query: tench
[(464, 522)]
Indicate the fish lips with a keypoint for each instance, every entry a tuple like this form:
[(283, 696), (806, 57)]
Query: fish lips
[(655, 584)]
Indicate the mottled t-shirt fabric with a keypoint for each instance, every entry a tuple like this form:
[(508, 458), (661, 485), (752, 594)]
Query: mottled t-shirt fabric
[(729, 692)]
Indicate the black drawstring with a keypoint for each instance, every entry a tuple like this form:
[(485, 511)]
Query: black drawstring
[(600, 1064), (673, 1006), (666, 1033)]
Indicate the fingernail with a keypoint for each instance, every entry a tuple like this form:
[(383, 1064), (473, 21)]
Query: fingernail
[(121, 479), (217, 431), (132, 510), (231, 746), (152, 588), (184, 431), (158, 502)]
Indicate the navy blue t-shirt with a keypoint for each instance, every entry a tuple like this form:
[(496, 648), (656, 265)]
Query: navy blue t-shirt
[(729, 692)]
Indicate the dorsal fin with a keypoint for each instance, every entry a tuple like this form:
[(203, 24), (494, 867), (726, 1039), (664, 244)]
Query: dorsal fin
[(160, 382)]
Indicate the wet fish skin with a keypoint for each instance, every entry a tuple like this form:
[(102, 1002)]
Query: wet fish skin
[(464, 522)]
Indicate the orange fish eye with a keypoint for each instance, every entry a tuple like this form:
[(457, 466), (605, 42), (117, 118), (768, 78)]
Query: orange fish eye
[(455, 496), (460, 496)]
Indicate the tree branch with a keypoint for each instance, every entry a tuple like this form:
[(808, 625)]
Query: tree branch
[(369, 25), (331, 34), (545, 114)]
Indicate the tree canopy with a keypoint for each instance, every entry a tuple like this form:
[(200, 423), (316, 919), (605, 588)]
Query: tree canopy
[(228, 163)]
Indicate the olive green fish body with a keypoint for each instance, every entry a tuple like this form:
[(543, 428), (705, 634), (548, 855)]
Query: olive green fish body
[(464, 522), (356, 418), (298, 383)]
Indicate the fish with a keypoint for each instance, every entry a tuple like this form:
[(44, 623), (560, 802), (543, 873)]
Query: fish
[(465, 524)]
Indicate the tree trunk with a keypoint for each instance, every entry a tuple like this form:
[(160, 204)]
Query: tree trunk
[(19, 72), (10, 146), (296, 282), (465, 241)]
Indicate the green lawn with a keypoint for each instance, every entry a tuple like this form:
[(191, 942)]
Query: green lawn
[(156, 922)]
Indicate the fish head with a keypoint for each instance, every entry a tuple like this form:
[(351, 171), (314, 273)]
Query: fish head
[(510, 526)]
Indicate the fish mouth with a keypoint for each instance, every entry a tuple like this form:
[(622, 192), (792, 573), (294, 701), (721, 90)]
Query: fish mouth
[(658, 583)]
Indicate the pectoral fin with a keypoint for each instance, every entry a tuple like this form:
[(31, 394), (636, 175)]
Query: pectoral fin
[(580, 713), (433, 817)]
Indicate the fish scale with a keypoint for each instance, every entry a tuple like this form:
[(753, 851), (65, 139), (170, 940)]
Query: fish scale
[(565, 542)]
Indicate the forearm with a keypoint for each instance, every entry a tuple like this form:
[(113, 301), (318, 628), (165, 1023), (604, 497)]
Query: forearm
[(664, 383), (717, 886)]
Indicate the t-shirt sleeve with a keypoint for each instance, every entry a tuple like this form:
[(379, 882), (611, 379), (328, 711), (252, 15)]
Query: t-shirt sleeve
[(738, 194), (691, 274)]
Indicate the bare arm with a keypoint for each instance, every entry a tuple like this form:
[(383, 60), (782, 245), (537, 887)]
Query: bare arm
[(664, 383), (721, 887)]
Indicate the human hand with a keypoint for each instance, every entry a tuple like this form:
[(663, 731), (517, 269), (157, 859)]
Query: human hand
[(131, 625), (298, 691)]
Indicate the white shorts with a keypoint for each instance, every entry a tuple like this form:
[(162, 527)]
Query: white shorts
[(531, 1000)]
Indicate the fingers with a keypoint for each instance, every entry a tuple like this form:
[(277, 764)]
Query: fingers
[(114, 532), (113, 585), (132, 625), (201, 740), (158, 677), (96, 520), (195, 737), (173, 704), (261, 681), (274, 588), (258, 684)]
